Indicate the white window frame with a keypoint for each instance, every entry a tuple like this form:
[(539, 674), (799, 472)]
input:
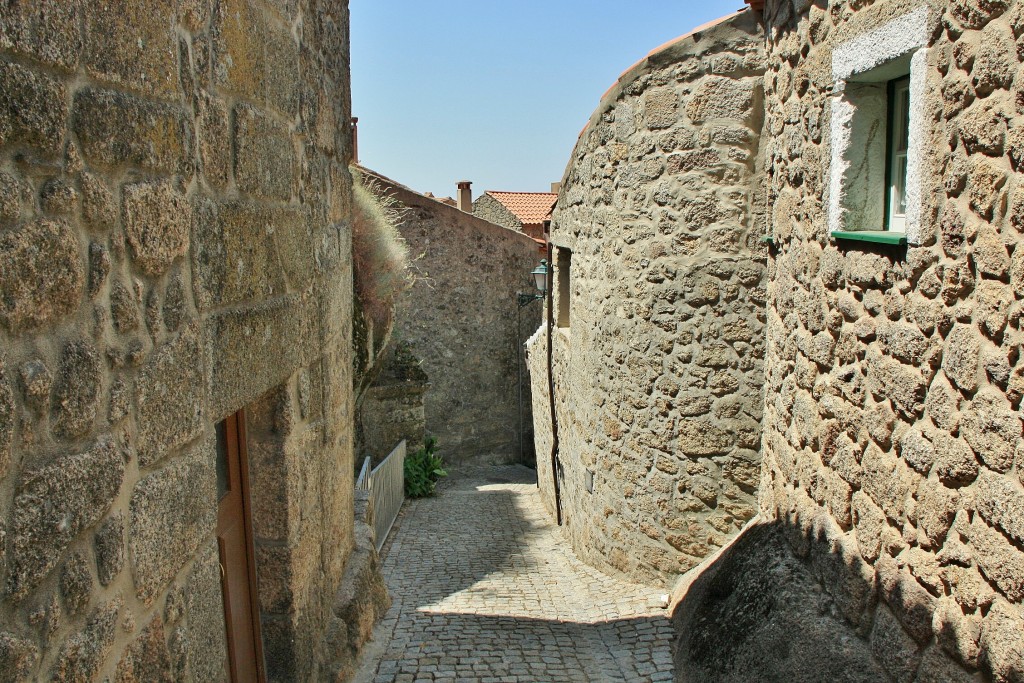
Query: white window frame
[(861, 69)]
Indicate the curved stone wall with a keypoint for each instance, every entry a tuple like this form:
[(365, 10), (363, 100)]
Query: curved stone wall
[(658, 349)]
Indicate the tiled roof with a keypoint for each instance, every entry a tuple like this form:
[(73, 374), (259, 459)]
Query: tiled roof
[(529, 207)]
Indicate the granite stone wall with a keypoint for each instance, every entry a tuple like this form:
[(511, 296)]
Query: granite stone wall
[(460, 320), (490, 209), (892, 429), (659, 318), (174, 247)]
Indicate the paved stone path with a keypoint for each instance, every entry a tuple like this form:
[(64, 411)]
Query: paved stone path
[(485, 590)]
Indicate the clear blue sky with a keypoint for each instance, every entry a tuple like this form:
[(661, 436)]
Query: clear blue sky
[(495, 91)]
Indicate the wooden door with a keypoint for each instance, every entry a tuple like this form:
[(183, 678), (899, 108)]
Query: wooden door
[(234, 539)]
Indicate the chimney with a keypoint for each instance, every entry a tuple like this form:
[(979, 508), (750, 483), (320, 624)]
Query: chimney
[(556, 188), (465, 196), (355, 139)]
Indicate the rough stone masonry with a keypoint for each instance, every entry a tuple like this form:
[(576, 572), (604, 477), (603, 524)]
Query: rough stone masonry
[(174, 247)]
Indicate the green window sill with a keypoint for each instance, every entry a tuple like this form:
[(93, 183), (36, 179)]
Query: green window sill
[(877, 236), (768, 239)]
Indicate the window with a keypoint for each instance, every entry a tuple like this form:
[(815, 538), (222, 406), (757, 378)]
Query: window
[(876, 132), (564, 268), (899, 137)]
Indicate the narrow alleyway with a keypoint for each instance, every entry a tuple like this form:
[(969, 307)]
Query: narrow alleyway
[(484, 590)]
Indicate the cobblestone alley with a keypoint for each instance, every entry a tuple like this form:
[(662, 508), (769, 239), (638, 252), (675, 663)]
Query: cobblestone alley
[(485, 590)]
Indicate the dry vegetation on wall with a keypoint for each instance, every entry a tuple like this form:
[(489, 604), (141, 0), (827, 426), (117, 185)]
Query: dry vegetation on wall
[(379, 252)]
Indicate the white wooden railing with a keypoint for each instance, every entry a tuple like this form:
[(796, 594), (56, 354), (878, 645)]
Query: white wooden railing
[(386, 484)]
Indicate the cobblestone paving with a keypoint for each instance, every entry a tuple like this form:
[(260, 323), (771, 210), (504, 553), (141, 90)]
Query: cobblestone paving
[(486, 591)]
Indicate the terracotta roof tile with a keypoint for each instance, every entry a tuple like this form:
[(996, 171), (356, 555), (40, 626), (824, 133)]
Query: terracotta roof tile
[(529, 207)]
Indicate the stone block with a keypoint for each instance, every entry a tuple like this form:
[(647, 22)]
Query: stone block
[(718, 97), (132, 45), (147, 657), (992, 429), (84, 654), (902, 384), (54, 504), (936, 509), (76, 583), (269, 248), (206, 647), (998, 559), (109, 547), (660, 107), (886, 480), (18, 657), (99, 210), (937, 667), (955, 464), (157, 222), (7, 409), (1000, 501), (172, 511), (41, 274), (701, 437), (33, 109), (957, 633), (76, 391), (977, 13), (116, 129), (893, 647), (214, 141), (47, 30), (1002, 643), (961, 355), (170, 397), (255, 349), (264, 156)]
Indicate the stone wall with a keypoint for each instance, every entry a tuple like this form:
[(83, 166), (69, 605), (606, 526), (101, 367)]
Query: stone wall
[(490, 209), (892, 444), (659, 339), (460, 319), (174, 247)]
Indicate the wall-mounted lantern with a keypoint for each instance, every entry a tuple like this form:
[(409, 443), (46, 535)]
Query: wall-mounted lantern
[(540, 281)]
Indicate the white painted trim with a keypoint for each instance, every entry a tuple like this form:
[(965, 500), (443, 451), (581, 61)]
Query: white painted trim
[(899, 38)]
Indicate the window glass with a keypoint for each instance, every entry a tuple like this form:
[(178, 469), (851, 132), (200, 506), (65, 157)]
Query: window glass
[(899, 136)]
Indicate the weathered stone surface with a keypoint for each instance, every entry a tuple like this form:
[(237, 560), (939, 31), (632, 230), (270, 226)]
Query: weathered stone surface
[(893, 647), (977, 13), (18, 658), (936, 509), (264, 158), (205, 647), (158, 220), (57, 197), (169, 400), (960, 360), (147, 658), (99, 210), (172, 511), (82, 656), (6, 419), (124, 308), (722, 98), (214, 141), (76, 583), (992, 429), (1000, 501), (32, 109), (42, 275), (132, 46), (956, 464), (76, 390), (917, 451), (1002, 642), (270, 246), (737, 615), (115, 128), (999, 560), (54, 504), (109, 546), (958, 634)]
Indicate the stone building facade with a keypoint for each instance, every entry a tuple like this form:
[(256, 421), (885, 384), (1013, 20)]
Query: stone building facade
[(894, 374), (174, 249), (658, 293), (460, 320)]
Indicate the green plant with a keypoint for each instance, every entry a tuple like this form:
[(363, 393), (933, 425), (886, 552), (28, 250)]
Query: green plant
[(380, 254), (422, 470)]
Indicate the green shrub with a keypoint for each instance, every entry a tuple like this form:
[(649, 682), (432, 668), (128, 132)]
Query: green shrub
[(380, 254), (422, 470)]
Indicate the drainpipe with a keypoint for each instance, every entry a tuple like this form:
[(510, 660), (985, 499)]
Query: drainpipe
[(551, 387)]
